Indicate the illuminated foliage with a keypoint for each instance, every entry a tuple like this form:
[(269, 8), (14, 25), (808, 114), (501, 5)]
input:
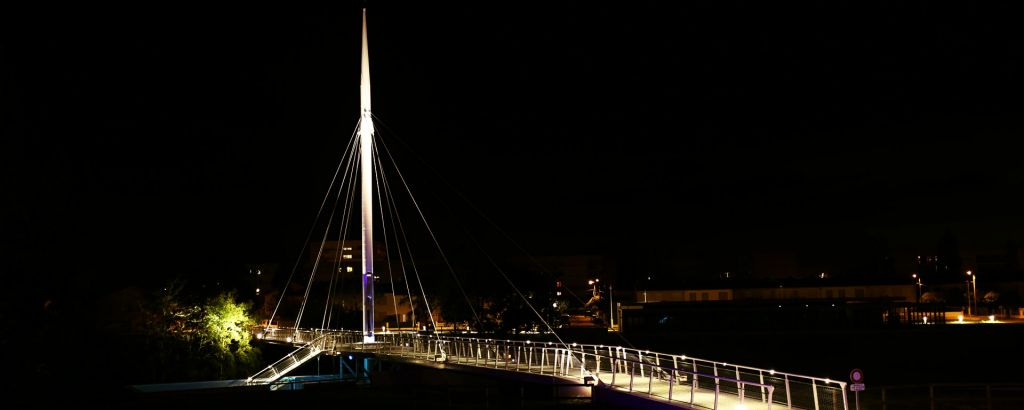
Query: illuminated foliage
[(226, 323), (224, 334), (188, 338)]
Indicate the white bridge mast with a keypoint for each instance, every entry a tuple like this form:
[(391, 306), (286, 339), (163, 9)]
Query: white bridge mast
[(366, 166)]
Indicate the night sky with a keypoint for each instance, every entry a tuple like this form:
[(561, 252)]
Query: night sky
[(146, 141)]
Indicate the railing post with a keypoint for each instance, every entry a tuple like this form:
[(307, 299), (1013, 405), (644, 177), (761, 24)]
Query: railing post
[(716, 390), (640, 358), (740, 387), (693, 388), (695, 385), (569, 356), (789, 397), (650, 378), (814, 390), (614, 363), (760, 375), (771, 392), (632, 370), (842, 388), (671, 382)]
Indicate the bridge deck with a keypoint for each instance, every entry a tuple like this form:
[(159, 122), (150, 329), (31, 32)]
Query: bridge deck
[(671, 379)]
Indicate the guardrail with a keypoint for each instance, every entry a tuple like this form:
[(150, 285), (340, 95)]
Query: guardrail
[(676, 378)]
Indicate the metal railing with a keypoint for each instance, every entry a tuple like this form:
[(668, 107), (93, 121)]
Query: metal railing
[(308, 350), (676, 378)]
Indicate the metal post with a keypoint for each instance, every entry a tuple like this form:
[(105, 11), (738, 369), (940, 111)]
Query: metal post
[(846, 405), (740, 387), (583, 363), (611, 306), (640, 358), (716, 392), (615, 361), (632, 369), (650, 378), (693, 388), (543, 358), (814, 389), (771, 392), (760, 374), (695, 384), (789, 397), (671, 382)]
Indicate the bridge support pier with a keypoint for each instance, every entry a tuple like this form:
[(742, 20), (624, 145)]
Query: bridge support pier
[(356, 366)]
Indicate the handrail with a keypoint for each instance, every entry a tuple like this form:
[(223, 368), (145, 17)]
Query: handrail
[(308, 346)]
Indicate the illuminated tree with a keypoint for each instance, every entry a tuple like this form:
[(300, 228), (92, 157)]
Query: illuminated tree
[(224, 331)]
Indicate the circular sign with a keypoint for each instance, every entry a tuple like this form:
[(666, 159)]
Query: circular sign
[(856, 376)]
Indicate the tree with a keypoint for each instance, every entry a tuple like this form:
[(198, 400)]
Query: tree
[(225, 333), (187, 338)]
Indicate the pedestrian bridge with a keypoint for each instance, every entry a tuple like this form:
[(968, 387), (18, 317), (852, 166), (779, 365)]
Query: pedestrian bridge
[(678, 380)]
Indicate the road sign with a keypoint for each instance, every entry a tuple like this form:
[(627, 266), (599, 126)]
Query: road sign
[(857, 387), (856, 375)]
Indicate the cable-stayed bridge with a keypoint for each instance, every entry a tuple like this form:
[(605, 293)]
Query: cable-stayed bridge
[(632, 375)]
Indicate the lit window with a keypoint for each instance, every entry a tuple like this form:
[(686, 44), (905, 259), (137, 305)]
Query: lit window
[(346, 256), (347, 248), (348, 269)]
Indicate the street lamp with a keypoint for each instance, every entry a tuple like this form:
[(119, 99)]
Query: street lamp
[(611, 307), (974, 291), (918, 287), (967, 283)]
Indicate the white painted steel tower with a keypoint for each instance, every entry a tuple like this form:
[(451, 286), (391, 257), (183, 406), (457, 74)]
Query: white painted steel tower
[(366, 167)]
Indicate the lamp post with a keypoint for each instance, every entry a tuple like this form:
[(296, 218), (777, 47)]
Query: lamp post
[(611, 306), (967, 284), (918, 287), (974, 292)]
